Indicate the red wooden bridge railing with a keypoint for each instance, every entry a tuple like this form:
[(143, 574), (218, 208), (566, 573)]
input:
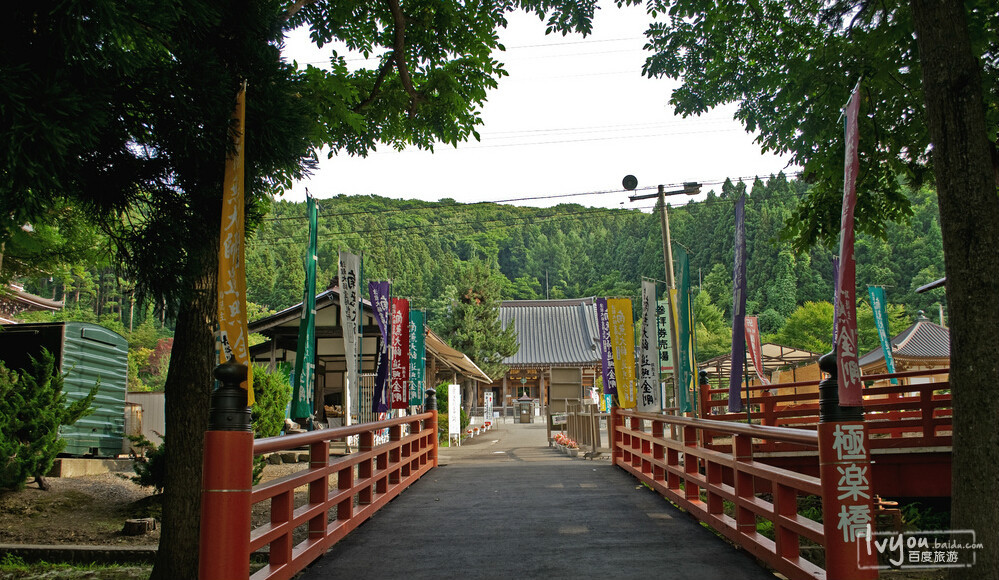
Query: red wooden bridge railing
[(910, 414), (343, 492), (666, 452)]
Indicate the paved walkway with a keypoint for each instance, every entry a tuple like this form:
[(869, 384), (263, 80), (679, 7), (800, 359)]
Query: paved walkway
[(505, 505)]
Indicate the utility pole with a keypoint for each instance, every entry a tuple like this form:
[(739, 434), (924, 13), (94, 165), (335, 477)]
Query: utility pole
[(689, 188)]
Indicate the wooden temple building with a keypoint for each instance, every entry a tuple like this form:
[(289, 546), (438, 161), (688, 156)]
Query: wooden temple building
[(444, 364), (558, 358)]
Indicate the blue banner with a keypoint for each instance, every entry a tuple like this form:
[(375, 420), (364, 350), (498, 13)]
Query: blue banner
[(879, 307)]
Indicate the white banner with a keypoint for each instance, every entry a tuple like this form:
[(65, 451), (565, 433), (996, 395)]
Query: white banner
[(350, 321), (454, 410), (649, 392), (487, 413)]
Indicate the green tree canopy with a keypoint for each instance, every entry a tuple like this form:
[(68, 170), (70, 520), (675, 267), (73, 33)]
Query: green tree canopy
[(472, 325)]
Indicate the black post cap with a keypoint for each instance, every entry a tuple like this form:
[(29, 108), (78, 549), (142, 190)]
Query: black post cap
[(829, 407), (229, 411)]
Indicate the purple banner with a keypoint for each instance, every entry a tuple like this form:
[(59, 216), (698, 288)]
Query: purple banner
[(607, 368), (738, 309), (379, 292)]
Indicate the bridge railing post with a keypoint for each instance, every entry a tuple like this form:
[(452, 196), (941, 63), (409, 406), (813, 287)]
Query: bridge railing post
[(227, 479), (614, 436), (430, 404), (846, 476)]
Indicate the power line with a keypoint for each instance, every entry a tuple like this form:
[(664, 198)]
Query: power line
[(505, 222), (378, 56), (440, 205)]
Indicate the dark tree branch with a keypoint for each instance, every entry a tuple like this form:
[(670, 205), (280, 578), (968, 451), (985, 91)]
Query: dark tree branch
[(382, 72), (296, 7), (399, 53)]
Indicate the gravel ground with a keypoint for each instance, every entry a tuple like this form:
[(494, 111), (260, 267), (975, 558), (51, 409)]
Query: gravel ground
[(92, 509)]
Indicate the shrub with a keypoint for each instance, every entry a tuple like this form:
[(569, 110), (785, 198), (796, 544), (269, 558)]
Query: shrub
[(32, 407), (271, 392), (442, 398), (149, 463)]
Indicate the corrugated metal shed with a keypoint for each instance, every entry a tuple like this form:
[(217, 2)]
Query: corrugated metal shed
[(922, 340), (552, 332), (85, 353)]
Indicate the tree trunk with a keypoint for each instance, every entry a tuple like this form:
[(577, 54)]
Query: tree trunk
[(188, 391), (969, 221)]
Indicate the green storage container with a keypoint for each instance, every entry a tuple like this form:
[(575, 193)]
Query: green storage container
[(85, 352)]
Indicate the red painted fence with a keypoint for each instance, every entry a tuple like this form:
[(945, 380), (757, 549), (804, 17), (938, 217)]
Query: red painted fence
[(343, 492), (911, 414), (667, 453)]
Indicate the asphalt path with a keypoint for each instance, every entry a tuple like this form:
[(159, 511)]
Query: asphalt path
[(505, 505)]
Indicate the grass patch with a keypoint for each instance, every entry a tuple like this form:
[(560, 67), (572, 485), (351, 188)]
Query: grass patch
[(15, 568)]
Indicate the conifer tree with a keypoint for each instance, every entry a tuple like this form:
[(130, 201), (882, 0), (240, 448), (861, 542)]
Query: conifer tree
[(32, 407), (472, 324)]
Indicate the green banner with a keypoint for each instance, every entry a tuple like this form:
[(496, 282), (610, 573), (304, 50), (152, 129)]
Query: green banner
[(417, 357), (305, 357), (685, 334), (878, 306)]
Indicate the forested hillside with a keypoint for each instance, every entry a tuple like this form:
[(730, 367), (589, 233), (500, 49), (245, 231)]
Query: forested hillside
[(572, 251), (567, 251)]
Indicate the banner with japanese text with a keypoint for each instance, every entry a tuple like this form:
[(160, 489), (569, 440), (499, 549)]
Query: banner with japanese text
[(233, 335), (880, 309), (302, 399), (738, 309), (622, 338), (649, 390), (664, 332), (417, 357), (686, 366), (847, 357), (399, 335), (606, 357), (379, 292), (755, 348), (350, 321)]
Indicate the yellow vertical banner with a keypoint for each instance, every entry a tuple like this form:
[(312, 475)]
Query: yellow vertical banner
[(622, 337), (233, 333)]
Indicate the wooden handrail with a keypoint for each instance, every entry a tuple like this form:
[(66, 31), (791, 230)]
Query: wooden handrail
[(284, 442), (787, 434), (700, 479), (365, 481)]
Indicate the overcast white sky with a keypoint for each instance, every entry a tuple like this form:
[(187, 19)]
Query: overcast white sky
[(574, 116)]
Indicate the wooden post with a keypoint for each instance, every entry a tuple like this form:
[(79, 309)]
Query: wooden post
[(227, 479), (847, 493), (614, 438)]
